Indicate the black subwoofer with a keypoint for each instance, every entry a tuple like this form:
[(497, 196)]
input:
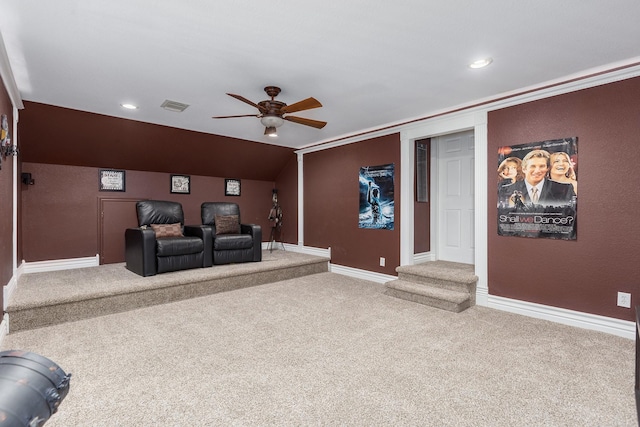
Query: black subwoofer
[(31, 388)]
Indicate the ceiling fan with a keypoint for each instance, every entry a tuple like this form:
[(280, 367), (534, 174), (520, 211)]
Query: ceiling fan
[(272, 113)]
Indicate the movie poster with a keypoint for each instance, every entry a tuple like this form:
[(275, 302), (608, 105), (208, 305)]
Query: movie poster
[(376, 197), (538, 189)]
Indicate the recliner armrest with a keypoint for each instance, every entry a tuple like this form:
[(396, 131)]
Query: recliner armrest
[(256, 233), (140, 251), (203, 232)]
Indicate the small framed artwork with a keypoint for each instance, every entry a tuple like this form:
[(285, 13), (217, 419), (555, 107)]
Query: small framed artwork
[(111, 180), (181, 184), (231, 187)]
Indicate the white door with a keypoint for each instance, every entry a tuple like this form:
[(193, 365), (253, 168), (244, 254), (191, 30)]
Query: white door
[(455, 212)]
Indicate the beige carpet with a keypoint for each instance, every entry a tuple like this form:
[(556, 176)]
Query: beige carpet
[(330, 350)]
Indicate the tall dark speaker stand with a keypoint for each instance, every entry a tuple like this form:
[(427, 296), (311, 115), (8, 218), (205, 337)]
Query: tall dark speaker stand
[(275, 218), (272, 240)]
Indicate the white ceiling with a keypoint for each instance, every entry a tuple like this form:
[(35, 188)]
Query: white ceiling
[(369, 62)]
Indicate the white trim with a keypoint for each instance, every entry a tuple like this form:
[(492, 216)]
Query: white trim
[(8, 290), (579, 319), (4, 327), (423, 257), (309, 250), (300, 198), (563, 316), (481, 207), (280, 246), (593, 77), (6, 73), (579, 82), (16, 183), (60, 264), (407, 167), (360, 274)]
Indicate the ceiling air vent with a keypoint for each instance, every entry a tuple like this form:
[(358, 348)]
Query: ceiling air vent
[(178, 107)]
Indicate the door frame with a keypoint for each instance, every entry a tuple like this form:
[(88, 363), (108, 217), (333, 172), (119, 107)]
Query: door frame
[(437, 126)]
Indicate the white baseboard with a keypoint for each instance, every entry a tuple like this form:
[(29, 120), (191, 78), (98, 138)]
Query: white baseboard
[(622, 328), (563, 316), (8, 290), (309, 250), (361, 274), (4, 328), (60, 264), (423, 257)]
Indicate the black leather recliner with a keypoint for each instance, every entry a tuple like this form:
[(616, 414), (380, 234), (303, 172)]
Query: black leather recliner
[(162, 242), (233, 242)]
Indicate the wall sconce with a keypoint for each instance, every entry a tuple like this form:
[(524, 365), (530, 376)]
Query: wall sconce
[(26, 178)]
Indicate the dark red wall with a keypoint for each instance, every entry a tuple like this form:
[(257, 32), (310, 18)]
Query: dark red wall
[(60, 211), (62, 136), (586, 274), (63, 150), (6, 202), (287, 185), (331, 204)]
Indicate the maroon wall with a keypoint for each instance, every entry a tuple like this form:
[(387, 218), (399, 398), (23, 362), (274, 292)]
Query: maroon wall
[(60, 211), (62, 136), (63, 150), (585, 274), (6, 202), (331, 204), (287, 185)]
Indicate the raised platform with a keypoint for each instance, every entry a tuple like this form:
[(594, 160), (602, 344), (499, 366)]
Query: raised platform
[(43, 299)]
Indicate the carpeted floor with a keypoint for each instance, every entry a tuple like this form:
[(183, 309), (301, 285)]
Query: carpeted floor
[(330, 350)]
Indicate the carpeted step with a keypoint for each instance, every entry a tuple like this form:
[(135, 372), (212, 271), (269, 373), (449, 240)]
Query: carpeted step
[(432, 296), (444, 274)]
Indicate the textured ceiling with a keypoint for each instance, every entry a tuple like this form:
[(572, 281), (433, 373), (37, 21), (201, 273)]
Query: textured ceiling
[(370, 63)]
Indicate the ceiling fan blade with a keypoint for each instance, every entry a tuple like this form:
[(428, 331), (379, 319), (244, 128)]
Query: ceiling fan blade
[(230, 117), (245, 100), (307, 122), (305, 104)]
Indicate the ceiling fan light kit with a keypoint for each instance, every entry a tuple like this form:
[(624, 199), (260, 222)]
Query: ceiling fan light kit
[(271, 131), (272, 113), (272, 121)]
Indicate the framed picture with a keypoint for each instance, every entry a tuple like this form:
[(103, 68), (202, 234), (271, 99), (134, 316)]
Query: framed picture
[(181, 184), (231, 187), (111, 180)]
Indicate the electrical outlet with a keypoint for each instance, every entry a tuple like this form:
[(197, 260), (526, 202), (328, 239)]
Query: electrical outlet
[(382, 262), (624, 299)]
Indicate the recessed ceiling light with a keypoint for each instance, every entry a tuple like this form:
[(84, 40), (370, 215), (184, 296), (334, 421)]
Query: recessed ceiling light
[(481, 63), (129, 106)]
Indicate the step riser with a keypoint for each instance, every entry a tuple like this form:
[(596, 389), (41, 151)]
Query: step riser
[(48, 315), (439, 283), (431, 302)]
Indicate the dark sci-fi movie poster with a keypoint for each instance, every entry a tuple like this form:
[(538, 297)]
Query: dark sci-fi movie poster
[(538, 189), (376, 197)]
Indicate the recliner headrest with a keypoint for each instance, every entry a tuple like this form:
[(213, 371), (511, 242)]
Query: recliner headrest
[(159, 212), (209, 210)]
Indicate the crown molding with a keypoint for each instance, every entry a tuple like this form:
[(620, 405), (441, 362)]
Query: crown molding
[(7, 77), (593, 77)]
